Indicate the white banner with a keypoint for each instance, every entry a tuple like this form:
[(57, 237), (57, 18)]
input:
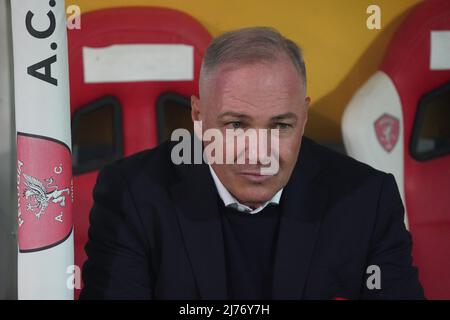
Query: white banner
[(44, 167), (138, 62), (440, 50)]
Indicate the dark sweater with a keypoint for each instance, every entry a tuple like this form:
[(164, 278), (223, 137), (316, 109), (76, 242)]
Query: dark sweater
[(250, 242)]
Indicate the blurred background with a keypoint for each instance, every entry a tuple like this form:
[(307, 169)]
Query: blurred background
[(341, 53)]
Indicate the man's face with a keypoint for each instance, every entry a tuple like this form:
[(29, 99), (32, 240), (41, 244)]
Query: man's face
[(263, 95)]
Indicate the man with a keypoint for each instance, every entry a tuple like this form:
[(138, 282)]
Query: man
[(322, 226)]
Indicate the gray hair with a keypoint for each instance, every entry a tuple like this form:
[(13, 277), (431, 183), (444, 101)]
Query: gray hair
[(250, 45)]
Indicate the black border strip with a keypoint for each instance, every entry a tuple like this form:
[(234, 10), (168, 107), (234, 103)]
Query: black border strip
[(418, 122), (118, 139), (160, 115), (31, 135), (50, 245)]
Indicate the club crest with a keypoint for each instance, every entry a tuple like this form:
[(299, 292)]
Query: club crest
[(387, 129), (44, 192)]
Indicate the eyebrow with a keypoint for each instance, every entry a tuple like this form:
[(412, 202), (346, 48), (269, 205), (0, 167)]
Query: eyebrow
[(233, 114), (283, 116)]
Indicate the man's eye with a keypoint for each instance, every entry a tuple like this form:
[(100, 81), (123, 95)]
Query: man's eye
[(282, 126), (234, 124)]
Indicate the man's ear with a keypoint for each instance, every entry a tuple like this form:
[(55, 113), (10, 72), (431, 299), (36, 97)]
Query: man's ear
[(196, 117), (195, 108), (306, 106), (307, 102)]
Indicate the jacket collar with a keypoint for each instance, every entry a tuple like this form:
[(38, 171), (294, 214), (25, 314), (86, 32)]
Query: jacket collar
[(230, 201), (303, 204)]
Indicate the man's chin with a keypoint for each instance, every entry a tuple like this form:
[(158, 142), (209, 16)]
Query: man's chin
[(252, 198)]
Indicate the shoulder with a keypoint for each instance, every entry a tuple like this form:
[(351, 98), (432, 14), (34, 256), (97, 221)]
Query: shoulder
[(341, 170), (152, 165), (360, 194), (334, 161)]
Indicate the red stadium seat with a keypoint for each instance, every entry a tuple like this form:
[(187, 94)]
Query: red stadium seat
[(399, 122), (129, 68)]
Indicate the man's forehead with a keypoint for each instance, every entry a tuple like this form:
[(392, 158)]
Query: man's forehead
[(280, 76)]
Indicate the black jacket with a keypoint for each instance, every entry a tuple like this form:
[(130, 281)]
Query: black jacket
[(155, 232)]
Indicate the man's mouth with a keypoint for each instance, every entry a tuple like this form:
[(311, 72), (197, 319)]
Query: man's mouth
[(255, 176)]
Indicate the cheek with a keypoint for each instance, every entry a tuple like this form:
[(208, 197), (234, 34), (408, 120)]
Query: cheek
[(289, 149)]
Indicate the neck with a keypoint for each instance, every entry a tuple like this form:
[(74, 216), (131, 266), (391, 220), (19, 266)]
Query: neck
[(253, 205)]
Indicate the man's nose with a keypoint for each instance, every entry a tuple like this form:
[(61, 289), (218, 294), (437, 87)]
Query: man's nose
[(257, 147)]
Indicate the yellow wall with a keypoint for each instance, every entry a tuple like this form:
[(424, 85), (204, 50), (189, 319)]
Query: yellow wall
[(340, 52)]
